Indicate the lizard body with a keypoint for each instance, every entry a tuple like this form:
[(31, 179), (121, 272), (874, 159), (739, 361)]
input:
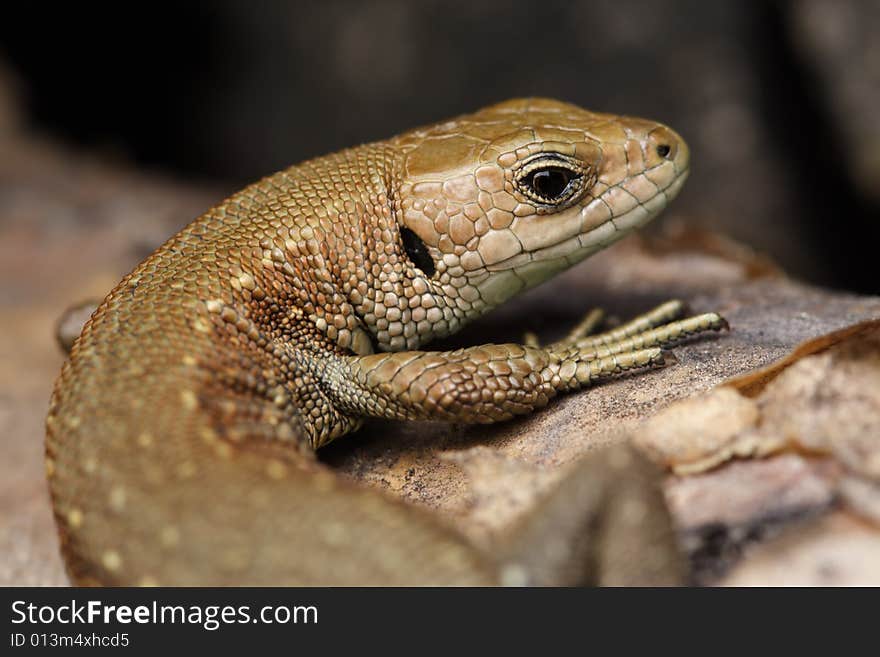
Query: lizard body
[(181, 430)]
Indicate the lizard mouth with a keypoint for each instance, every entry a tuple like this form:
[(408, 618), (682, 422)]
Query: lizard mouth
[(530, 268), (579, 246)]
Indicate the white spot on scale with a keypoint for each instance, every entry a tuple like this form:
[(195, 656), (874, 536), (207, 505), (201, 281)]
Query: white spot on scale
[(74, 518), (513, 574), (117, 498), (111, 560)]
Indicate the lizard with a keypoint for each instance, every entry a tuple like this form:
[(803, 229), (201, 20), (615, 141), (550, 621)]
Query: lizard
[(182, 429)]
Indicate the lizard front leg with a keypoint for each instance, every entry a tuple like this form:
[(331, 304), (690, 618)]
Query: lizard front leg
[(495, 382), (484, 384)]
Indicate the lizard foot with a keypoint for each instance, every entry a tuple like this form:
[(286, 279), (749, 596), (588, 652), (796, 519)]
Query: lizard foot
[(634, 345)]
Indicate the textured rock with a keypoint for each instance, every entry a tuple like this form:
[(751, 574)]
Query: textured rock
[(819, 408), (834, 551)]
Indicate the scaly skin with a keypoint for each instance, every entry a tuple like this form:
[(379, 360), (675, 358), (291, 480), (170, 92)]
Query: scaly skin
[(181, 430)]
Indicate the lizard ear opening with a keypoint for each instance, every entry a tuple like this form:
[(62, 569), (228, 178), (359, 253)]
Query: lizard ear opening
[(417, 251)]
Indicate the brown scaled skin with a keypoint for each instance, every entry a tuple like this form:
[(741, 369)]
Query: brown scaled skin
[(181, 430)]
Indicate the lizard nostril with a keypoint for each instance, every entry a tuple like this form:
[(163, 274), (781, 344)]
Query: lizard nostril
[(666, 144)]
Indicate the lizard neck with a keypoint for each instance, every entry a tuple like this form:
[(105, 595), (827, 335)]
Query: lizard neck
[(344, 264)]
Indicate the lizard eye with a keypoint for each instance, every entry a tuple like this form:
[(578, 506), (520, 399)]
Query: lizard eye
[(549, 183), (551, 180)]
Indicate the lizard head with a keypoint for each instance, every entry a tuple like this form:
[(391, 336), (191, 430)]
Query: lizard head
[(495, 202)]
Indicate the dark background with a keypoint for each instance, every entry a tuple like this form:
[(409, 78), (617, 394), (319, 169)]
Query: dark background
[(778, 100)]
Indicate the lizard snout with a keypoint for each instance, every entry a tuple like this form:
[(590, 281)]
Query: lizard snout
[(663, 144)]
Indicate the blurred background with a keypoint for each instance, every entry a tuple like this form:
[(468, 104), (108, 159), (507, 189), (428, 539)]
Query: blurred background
[(778, 100)]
